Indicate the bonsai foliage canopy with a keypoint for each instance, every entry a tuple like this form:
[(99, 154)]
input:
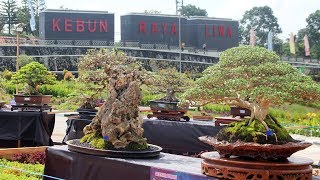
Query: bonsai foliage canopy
[(253, 78), (34, 75), (170, 81)]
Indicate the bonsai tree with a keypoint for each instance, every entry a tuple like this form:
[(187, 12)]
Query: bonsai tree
[(170, 81), (117, 123), (93, 77), (253, 78), (34, 75)]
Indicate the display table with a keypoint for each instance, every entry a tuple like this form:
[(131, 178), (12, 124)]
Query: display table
[(26, 128), (173, 136), (75, 128), (65, 164), (179, 137)]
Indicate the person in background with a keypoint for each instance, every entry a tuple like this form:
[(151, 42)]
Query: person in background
[(182, 46), (204, 46)]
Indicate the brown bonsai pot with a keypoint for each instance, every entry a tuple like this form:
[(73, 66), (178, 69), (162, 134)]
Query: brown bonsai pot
[(255, 150), (32, 99)]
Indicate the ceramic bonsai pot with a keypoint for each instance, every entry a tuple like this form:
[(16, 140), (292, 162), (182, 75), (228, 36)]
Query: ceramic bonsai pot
[(255, 150), (32, 99)]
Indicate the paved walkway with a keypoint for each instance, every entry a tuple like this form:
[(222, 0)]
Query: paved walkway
[(312, 152)]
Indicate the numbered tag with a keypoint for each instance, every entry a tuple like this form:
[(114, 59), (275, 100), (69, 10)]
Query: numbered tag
[(27, 98), (242, 111)]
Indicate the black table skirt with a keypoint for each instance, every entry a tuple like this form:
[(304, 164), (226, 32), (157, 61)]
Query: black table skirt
[(31, 128), (65, 164), (172, 136)]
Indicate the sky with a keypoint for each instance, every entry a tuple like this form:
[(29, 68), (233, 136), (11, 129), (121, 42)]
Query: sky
[(291, 14)]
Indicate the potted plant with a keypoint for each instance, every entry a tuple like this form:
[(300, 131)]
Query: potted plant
[(256, 79), (169, 81), (117, 125), (33, 75)]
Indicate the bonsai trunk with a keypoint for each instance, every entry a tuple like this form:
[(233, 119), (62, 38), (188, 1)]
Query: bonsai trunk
[(170, 96), (33, 89), (259, 110), (118, 119)]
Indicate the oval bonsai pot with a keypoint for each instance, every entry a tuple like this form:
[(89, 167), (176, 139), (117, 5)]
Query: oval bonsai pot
[(87, 113), (32, 99), (165, 105)]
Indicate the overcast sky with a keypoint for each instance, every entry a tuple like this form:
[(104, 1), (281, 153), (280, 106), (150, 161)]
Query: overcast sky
[(291, 14)]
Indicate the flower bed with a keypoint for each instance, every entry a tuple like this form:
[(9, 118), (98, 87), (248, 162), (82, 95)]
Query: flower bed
[(22, 163)]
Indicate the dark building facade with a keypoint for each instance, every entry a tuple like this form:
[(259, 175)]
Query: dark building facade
[(219, 34), (150, 29), (76, 25)]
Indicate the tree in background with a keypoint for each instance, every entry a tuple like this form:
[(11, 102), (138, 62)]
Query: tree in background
[(9, 12), (23, 16), (191, 10), (2, 22), (262, 20), (301, 33), (313, 29)]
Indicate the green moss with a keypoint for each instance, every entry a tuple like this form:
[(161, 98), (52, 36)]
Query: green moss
[(87, 138), (254, 132), (133, 146), (98, 143)]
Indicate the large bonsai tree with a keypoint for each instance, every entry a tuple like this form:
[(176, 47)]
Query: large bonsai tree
[(170, 81), (34, 75), (117, 123), (253, 78)]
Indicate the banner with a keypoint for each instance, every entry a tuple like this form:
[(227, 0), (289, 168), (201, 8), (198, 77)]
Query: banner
[(252, 37), (270, 45), (32, 20), (306, 45), (292, 46)]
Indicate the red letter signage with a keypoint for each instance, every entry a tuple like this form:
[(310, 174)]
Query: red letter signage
[(229, 32), (154, 27), (214, 31), (207, 31), (103, 25), (55, 25), (174, 28), (142, 27), (164, 27), (67, 25), (221, 31), (80, 25), (92, 29)]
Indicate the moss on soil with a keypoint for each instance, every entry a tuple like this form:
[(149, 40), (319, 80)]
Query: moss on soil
[(99, 143), (255, 132)]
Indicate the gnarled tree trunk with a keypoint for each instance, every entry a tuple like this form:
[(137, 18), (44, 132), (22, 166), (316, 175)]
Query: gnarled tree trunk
[(118, 119)]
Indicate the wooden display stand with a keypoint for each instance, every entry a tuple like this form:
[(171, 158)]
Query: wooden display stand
[(31, 107), (224, 120), (243, 169)]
